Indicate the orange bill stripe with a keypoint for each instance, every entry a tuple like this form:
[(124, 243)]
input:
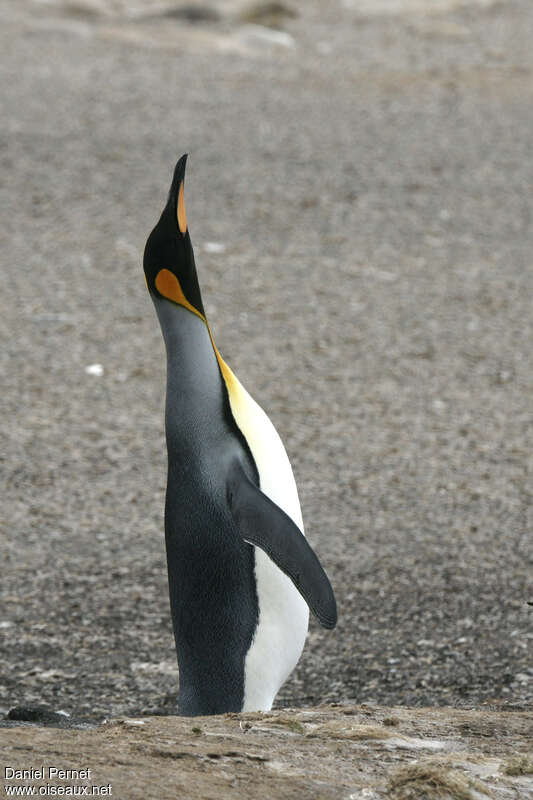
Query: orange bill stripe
[(182, 216)]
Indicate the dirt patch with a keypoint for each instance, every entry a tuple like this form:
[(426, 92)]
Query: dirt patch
[(432, 782), (360, 207), (280, 755), (519, 765)]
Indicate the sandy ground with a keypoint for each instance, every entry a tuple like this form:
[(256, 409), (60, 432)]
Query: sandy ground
[(324, 753), (359, 194)]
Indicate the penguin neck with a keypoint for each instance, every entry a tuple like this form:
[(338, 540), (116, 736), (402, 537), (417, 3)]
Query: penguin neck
[(195, 393)]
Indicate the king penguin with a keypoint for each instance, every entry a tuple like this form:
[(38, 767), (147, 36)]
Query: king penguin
[(242, 576)]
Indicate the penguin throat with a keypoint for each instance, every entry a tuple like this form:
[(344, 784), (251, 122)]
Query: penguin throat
[(168, 286)]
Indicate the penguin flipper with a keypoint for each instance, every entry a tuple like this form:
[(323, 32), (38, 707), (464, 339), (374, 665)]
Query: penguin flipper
[(263, 523)]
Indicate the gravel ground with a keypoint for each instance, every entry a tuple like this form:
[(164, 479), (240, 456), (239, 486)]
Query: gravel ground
[(359, 195), (297, 754)]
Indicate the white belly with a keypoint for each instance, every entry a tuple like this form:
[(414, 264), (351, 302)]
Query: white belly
[(283, 613), (279, 637)]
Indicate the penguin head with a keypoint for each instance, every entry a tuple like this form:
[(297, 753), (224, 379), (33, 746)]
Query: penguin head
[(169, 265)]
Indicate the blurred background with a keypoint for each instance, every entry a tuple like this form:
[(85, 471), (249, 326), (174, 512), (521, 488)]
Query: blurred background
[(359, 195)]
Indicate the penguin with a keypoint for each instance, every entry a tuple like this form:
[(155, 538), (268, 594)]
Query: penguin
[(242, 576)]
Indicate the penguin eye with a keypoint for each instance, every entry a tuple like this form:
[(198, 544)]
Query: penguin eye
[(182, 216)]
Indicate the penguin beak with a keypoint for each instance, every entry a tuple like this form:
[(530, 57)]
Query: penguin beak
[(176, 199)]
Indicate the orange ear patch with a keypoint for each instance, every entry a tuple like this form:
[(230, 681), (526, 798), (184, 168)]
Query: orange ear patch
[(182, 216), (169, 286)]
